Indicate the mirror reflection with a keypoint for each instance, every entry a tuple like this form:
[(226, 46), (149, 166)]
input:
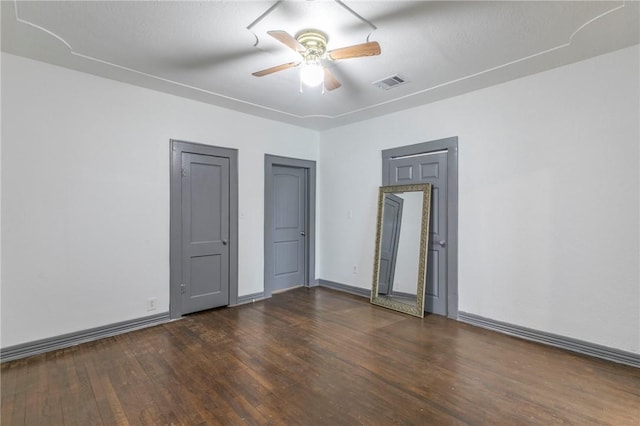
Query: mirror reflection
[(400, 263)]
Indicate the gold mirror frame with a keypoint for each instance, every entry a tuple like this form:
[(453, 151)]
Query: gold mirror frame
[(418, 309)]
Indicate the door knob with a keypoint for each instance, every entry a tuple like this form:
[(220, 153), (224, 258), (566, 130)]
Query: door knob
[(224, 242), (442, 243), (302, 233)]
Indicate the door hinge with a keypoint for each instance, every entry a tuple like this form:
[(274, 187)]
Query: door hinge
[(184, 172), (183, 288)]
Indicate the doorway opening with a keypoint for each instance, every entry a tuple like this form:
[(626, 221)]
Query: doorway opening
[(289, 223), (203, 227), (434, 162)]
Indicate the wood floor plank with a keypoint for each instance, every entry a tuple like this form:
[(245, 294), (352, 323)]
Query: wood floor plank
[(13, 406), (320, 357), (76, 398), (109, 406)]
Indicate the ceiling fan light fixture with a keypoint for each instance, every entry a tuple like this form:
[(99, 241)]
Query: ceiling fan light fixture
[(311, 45), (312, 73), (315, 44)]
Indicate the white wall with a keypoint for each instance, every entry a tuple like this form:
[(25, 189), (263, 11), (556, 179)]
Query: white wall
[(406, 273), (85, 195), (548, 197), (0, 196)]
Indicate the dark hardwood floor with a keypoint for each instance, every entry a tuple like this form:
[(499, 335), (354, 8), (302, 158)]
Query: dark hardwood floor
[(316, 357)]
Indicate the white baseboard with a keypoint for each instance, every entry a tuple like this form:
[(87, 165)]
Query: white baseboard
[(36, 347), (568, 343)]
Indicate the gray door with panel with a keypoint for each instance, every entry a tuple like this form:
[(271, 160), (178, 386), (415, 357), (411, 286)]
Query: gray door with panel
[(288, 227), (391, 224), (429, 168), (205, 232)]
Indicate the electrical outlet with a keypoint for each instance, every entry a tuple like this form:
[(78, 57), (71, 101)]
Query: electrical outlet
[(152, 304), (355, 269)]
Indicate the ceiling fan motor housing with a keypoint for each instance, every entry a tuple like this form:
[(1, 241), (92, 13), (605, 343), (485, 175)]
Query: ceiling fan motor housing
[(315, 41)]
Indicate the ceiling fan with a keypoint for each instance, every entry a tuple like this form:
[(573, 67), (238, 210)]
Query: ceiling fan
[(312, 46)]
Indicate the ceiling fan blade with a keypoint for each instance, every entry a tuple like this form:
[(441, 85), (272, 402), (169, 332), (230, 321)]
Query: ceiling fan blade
[(330, 81), (275, 69), (356, 51), (287, 39)]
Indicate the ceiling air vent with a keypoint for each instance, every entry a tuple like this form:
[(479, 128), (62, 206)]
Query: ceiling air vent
[(390, 82)]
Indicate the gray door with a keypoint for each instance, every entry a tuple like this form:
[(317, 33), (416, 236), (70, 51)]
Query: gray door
[(391, 222), (288, 227), (430, 168), (205, 232)]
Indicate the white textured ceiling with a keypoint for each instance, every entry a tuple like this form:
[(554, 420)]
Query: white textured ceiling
[(205, 50)]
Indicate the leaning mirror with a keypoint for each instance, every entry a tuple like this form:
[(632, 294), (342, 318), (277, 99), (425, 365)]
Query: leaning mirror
[(400, 264)]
